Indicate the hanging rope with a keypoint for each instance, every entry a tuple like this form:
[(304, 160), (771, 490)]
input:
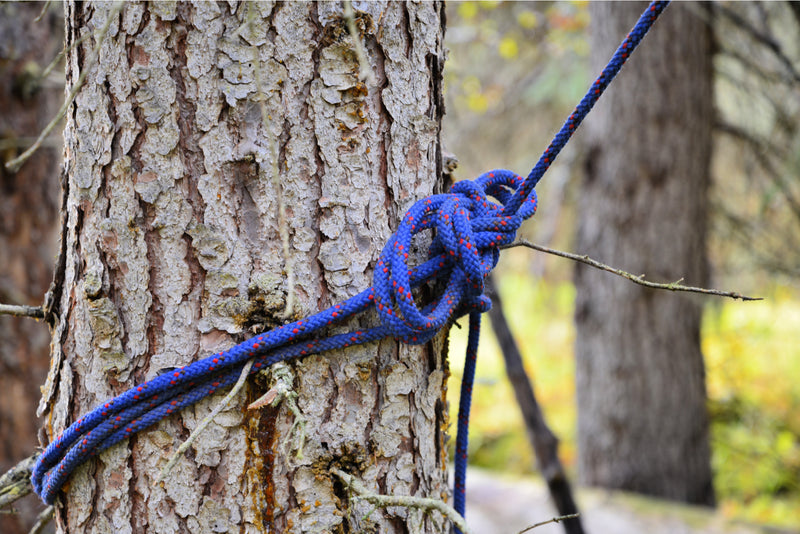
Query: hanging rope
[(468, 229)]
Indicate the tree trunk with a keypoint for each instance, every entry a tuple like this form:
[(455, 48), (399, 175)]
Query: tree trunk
[(172, 251), (642, 421), (28, 229)]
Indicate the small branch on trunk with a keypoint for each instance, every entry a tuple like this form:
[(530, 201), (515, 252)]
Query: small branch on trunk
[(206, 421), (637, 279), (42, 520), (16, 482), (554, 520), (37, 312), (64, 51), (45, 7), (365, 73), (281, 391), (16, 163), (283, 227), (406, 501)]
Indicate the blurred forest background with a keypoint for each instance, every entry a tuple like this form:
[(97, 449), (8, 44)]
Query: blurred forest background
[(514, 72)]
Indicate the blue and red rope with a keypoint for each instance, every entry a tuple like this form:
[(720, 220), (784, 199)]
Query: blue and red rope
[(468, 229)]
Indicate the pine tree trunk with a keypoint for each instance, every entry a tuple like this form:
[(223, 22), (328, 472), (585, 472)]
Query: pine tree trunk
[(29, 203), (642, 421), (172, 251)]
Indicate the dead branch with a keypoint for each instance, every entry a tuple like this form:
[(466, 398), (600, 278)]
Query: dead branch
[(637, 279)]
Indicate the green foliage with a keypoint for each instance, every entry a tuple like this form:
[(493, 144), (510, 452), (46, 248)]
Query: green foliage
[(752, 353)]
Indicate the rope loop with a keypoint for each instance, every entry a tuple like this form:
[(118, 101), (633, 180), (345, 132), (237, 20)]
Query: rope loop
[(468, 231)]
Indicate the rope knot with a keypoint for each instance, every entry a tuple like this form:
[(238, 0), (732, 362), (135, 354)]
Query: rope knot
[(469, 229)]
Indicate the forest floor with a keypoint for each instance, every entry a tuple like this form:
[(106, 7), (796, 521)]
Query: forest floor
[(498, 504)]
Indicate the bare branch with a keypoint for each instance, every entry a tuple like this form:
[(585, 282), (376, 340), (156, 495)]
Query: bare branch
[(364, 71), (16, 482), (16, 163), (45, 7), (42, 520), (206, 421), (554, 520), (24, 142), (37, 312), (283, 227), (281, 391), (64, 51), (638, 279), (405, 501)]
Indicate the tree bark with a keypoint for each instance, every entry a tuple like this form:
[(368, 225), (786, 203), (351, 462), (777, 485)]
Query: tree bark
[(642, 421), (172, 251), (29, 203)]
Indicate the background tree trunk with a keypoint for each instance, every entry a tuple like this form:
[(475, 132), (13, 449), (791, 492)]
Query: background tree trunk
[(172, 251), (29, 203), (642, 421)]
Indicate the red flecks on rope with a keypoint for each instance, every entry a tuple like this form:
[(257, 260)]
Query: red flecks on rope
[(468, 229)]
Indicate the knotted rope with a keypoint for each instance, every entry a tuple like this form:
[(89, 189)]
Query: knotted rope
[(468, 228)]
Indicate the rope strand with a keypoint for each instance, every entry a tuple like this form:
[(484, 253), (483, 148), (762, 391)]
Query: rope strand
[(468, 229)]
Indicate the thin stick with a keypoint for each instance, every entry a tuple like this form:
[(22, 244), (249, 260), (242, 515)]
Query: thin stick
[(16, 163), (554, 520), (637, 279), (405, 501), (62, 53), (283, 228), (37, 312), (281, 391), (42, 520), (364, 70), (206, 421), (23, 142), (16, 482), (44, 10)]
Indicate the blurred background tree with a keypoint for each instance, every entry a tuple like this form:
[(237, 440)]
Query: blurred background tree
[(643, 203)]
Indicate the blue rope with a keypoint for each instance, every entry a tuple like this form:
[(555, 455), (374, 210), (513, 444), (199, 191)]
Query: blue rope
[(468, 229)]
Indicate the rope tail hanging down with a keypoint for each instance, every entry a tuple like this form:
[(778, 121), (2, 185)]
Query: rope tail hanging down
[(468, 229)]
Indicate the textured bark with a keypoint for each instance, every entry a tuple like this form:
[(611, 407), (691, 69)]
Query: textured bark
[(642, 421), (28, 229), (543, 441), (172, 251)]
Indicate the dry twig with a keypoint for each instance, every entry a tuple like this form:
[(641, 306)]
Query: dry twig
[(37, 312), (364, 71), (206, 421), (42, 520), (16, 482), (637, 279), (405, 501), (283, 228), (281, 391), (16, 163), (554, 520)]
